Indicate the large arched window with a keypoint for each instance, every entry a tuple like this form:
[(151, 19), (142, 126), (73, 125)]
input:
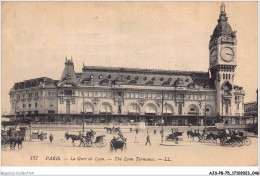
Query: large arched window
[(88, 107), (133, 108), (193, 110), (105, 108), (167, 109), (150, 109)]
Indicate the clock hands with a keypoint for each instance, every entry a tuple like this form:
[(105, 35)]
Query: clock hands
[(229, 54)]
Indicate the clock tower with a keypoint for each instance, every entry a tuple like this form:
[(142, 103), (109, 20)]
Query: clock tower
[(222, 63)]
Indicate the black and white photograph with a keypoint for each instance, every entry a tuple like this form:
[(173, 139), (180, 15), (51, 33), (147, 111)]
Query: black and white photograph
[(129, 83)]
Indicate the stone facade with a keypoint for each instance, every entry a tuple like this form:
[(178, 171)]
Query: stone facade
[(107, 94)]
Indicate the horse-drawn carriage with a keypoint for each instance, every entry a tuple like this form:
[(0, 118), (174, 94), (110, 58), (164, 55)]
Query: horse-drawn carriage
[(87, 140), (99, 141), (174, 137), (118, 143), (11, 141)]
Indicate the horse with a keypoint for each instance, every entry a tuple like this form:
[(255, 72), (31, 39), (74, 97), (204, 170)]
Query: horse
[(74, 138), (108, 129), (116, 129), (20, 142)]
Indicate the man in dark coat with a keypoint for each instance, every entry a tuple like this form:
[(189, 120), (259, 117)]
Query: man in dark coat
[(148, 139)]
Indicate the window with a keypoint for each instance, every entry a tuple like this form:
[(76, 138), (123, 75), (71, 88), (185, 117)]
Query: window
[(23, 96), (66, 92), (61, 101), (36, 94), (30, 95), (24, 105), (223, 76), (238, 106), (228, 76), (29, 105), (18, 97), (36, 104)]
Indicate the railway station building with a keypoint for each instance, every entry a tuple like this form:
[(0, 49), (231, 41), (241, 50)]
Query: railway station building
[(126, 95)]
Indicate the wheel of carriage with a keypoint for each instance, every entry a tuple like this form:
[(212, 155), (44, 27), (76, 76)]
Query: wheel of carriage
[(232, 143), (12, 146), (247, 141), (99, 143), (4, 147), (111, 147), (222, 142), (104, 143), (239, 143), (89, 143)]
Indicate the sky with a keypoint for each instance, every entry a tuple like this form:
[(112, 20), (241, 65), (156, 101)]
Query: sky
[(37, 37)]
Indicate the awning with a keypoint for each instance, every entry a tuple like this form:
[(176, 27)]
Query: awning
[(150, 111), (132, 111)]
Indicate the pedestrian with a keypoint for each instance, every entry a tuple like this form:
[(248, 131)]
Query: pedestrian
[(154, 131), (51, 138), (130, 130), (136, 139), (136, 131), (148, 139)]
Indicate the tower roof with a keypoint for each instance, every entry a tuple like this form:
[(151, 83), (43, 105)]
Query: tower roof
[(223, 28), (68, 75)]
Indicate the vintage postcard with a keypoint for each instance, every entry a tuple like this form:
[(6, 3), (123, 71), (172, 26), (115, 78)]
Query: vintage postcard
[(129, 84)]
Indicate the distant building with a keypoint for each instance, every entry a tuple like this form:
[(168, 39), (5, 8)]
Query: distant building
[(251, 111), (122, 95)]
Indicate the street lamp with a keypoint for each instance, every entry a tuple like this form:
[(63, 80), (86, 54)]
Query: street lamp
[(162, 118)]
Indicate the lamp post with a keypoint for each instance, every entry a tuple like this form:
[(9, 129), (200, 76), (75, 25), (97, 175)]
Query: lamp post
[(83, 113), (205, 122), (162, 118), (136, 113)]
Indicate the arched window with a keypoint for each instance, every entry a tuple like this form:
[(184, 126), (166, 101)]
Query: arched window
[(167, 109), (193, 110), (150, 109), (133, 108), (88, 107), (223, 76), (105, 108)]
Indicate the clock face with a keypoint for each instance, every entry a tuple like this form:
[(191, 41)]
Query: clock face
[(213, 57), (227, 54)]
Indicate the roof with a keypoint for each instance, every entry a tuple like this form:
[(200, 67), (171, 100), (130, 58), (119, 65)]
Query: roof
[(93, 75), (247, 105), (223, 28), (36, 82)]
